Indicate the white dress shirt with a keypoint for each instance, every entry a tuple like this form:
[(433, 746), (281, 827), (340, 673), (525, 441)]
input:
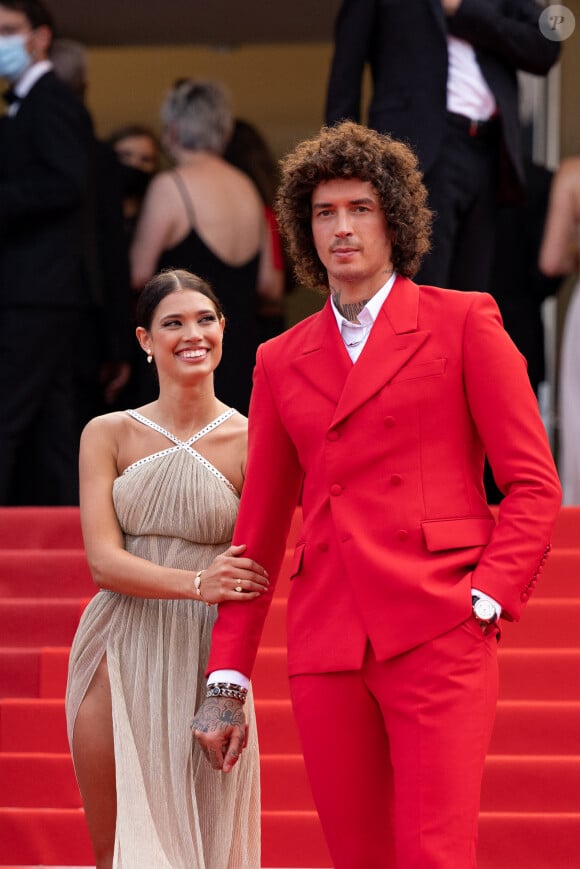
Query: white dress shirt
[(468, 93), (355, 335)]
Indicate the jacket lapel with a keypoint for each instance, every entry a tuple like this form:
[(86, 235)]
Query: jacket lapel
[(393, 341), (437, 9), (324, 361)]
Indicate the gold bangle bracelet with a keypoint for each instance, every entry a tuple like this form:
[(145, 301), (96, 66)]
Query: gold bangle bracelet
[(197, 586)]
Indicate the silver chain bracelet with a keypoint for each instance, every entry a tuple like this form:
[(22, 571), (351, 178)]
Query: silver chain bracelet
[(227, 689)]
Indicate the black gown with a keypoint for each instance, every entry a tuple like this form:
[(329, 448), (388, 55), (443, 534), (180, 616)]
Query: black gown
[(235, 287)]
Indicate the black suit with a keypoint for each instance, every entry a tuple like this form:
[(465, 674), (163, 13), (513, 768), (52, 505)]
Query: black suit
[(107, 334), (519, 286), (405, 44), (44, 170)]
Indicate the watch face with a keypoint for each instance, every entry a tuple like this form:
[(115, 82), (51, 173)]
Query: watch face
[(484, 610)]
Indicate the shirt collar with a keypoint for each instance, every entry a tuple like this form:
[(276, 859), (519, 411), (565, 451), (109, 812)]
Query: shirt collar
[(370, 312), (29, 78)]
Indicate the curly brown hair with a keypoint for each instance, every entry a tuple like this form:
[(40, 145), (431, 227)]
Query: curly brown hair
[(349, 150)]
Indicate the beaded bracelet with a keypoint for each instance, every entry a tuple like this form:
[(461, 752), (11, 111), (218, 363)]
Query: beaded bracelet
[(227, 689)]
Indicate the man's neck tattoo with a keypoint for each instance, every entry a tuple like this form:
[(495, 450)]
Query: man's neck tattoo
[(351, 310)]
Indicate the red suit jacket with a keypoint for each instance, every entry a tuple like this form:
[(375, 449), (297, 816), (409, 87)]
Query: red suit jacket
[(388, 455)]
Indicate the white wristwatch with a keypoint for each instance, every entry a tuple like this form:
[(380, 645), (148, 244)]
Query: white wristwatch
[(484, 611)]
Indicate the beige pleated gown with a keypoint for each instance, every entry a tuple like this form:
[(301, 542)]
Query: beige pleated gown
[(174, 811)]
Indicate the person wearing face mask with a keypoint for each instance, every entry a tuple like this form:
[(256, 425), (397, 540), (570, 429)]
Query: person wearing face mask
[(139, 154), (45, 139)]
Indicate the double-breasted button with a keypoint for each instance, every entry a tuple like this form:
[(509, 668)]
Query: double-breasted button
[(332, 435), (402, 535), (524, 597), (389, 422), (336, 489), (396, 480)]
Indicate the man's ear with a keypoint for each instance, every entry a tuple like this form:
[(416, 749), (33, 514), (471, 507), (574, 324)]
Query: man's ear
[(169, 139), (40, 42)]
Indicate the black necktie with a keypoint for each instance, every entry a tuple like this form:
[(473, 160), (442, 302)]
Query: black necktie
[(10, 97)]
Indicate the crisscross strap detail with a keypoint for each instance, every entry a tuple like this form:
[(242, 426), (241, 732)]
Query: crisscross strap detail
[(182, 445)]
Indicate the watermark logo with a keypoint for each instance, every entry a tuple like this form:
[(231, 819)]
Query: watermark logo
[(557, 23)]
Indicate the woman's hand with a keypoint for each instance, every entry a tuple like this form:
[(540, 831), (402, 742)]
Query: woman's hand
[(231, 577)]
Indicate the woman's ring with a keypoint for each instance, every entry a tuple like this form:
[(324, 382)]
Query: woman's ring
[(238, 588)]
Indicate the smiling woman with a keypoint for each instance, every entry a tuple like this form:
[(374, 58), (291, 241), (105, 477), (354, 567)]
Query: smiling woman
[(180, 319), (159, 497)]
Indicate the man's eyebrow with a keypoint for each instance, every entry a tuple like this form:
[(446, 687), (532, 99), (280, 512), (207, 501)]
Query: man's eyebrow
[(363, 200)]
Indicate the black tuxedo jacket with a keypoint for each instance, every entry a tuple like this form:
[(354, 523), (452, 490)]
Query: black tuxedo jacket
[(405, 44), (44, 172)]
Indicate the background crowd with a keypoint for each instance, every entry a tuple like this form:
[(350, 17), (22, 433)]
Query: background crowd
[(82, 228)]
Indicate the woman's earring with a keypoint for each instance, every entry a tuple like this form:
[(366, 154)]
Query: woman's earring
[(149, 358)]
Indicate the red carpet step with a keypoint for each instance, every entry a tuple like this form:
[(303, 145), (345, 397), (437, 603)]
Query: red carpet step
[(548, 622), (40, 528), (522, 727), (508, 840), (530, 804), (56, 573), (60, 528), (27, 780), (544, 673), (48, 622)]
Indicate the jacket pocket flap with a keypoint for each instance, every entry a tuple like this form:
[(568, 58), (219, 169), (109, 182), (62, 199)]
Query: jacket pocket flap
[(296, 562), (417, 370), (442, 534)]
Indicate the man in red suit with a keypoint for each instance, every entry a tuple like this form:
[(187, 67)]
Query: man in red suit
[(378, 412)]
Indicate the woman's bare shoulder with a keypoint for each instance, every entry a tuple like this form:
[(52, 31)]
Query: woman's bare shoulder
[(233, 433), (567, 178), (239, 422), (108, 426), (570, 166)]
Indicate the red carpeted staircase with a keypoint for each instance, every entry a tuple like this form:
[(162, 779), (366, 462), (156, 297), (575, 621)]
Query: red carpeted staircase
[(531, 793)]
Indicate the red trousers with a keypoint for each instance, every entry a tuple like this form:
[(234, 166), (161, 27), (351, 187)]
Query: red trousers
[(395, 752)]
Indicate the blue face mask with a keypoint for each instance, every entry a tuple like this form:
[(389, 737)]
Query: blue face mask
[(14, 58)]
